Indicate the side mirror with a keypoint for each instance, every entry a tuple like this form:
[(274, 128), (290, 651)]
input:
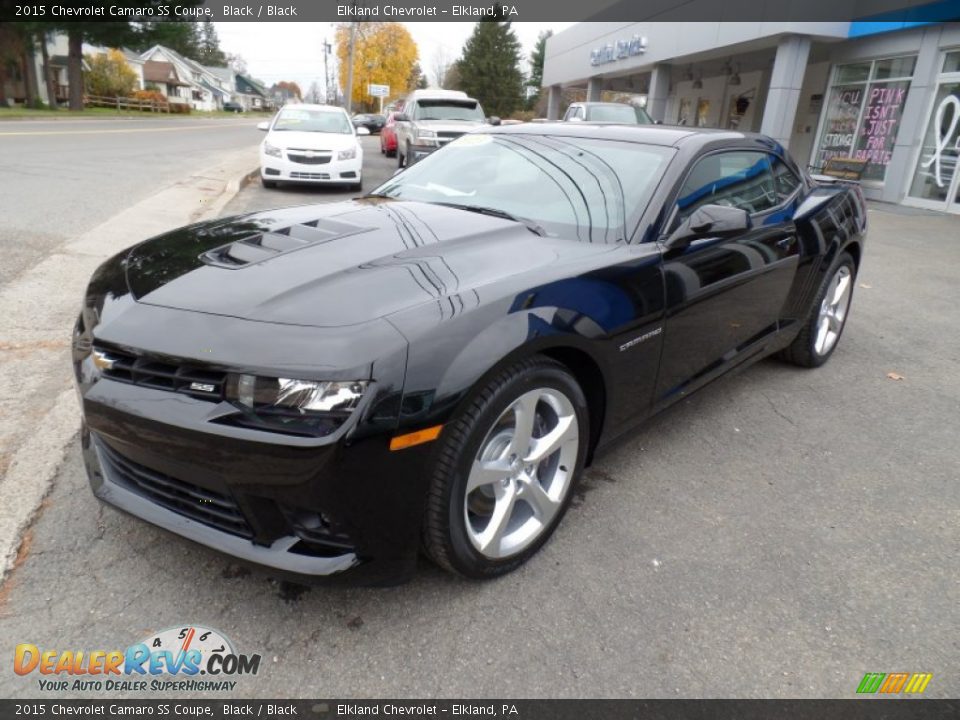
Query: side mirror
[(658, 122), (263, 126), (363, 131), (493, 120), (401, 117), (714, 221)]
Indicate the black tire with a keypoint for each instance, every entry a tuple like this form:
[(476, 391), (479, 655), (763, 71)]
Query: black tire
[(802, 351), (267, 183), (356, 187), (401, 160), (445, 537)]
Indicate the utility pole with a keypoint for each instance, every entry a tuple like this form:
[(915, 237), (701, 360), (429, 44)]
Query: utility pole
[(327, 47), (353, 47)]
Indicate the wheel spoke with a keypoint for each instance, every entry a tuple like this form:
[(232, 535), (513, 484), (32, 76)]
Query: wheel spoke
[(486, 472), (525, 413), (843, 285), (544, 507), (822, 331), (544, 447), (492, 535)]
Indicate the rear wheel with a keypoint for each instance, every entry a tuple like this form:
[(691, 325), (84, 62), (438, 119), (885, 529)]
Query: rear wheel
[(505, 469), (828, 315)]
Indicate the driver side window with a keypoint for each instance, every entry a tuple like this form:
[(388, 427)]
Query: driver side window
[(739, 178)]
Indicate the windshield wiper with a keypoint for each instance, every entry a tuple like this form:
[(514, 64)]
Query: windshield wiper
[(496, 212), (379, 195)]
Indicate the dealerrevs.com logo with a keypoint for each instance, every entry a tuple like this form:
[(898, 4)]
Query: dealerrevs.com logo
[(168, 661)]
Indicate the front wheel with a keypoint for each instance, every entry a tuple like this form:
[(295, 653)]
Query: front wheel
[(828, 315), (505, 468)]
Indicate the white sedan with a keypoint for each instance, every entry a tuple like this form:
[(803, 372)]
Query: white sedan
[(311, 144)]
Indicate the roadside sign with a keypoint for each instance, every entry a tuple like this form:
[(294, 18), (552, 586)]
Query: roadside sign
[(378, 90)]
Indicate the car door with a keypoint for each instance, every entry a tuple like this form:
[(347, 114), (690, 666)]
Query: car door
[(724, 295)]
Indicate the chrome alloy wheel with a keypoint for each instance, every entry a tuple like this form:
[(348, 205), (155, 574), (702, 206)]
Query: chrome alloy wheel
[(522, 473), (833, 310)]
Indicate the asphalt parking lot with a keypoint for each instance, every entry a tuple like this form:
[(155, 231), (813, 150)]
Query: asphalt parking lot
[(778, 534)]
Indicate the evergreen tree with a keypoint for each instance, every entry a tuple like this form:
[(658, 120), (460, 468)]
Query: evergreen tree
[(535, 80), (209, 52), (489, 69)]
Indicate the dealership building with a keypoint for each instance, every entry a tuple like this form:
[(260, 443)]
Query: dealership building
[(886, 93)]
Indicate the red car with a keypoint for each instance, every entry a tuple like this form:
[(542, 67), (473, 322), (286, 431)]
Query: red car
[(388, 136)]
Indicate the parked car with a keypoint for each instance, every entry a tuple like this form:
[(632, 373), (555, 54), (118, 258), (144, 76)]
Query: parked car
[(607, 112), (329, 388), (388, 136), (373, 123), (311, 144), (232, 107), (432, 118)]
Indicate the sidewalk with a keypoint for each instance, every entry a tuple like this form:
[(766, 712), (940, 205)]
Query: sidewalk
[(38, 407)]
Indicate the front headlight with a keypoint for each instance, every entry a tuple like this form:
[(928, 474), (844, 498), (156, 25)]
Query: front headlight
[(348, 154), (294, 406), (426, 134), (272, 150)]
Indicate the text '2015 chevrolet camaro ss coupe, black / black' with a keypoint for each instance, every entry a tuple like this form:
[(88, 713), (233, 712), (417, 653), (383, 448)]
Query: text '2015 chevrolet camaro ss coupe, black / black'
[(335, 387)]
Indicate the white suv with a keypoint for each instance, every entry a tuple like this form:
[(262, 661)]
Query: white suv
[(432, 118)]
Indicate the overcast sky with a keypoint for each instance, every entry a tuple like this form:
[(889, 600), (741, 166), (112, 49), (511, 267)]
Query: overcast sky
[(277, 51)]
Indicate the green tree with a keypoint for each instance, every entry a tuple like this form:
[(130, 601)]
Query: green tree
[(489, 69), (183, 36), (209, 52), (535, 80)]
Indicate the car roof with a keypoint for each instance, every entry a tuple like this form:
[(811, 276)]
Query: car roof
[(667, 135)]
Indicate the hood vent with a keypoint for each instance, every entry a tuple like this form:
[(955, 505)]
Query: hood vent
[(263, 246)]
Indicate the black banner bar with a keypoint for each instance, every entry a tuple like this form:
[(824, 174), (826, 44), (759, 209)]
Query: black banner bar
[(470, 11), (873, 709)]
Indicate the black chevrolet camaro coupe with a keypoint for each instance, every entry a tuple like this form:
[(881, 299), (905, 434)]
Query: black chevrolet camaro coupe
[(430, 367)]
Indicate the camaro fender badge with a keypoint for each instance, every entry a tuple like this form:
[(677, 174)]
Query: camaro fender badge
[(637, 340)]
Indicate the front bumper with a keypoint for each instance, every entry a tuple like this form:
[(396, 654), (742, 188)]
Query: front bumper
[(419, 152), (331, 171), (307, 510)]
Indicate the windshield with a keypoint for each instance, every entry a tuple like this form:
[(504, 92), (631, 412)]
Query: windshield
[(448, 110), (322, 121), (587, 189), (619, 113)]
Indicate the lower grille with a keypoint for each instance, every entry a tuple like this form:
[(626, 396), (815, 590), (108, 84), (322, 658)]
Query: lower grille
[(317, 530), (445, 137), (209, 507), (309, 176)]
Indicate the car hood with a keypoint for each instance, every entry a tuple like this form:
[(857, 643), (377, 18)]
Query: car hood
[(311, 140), (338, 264)]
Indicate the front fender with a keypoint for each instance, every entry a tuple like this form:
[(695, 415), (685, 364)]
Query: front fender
[(447, 361)]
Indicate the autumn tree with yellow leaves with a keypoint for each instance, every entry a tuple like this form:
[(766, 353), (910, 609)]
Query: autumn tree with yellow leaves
[(385, 54)]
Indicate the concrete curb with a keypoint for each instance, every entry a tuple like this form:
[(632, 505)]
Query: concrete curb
[(36, 349)]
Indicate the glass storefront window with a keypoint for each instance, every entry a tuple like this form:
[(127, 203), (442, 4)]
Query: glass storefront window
[(951, 63), (940, 152), (862, 115)]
